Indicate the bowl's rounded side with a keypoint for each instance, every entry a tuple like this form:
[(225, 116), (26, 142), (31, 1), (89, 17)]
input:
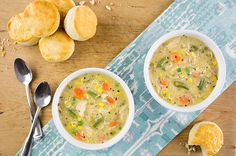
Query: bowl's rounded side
[(221, 70), (62, 130)]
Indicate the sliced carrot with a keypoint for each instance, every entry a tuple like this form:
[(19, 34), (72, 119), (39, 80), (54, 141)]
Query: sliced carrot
[(79, 135), (184, 100), (105, 86), (176, 57), (164, 82), (79, 93), (113, 123), (110, 100)]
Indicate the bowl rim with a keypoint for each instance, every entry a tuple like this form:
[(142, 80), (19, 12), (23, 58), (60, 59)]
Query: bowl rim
[(78, 143), (220, 62)]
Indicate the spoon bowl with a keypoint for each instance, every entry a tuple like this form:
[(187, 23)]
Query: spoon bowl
[(42, 96), (23, 72)]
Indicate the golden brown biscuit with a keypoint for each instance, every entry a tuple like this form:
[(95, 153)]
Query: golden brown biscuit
[(63, 6), (57, 47), (208, 136), (43, 18), (17, 29), (80, 23)]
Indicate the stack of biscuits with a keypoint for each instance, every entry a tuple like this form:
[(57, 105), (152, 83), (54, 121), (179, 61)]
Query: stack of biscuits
[(40, 22)]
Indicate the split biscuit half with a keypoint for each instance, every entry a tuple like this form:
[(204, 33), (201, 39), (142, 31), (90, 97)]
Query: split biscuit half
[(80, 23)]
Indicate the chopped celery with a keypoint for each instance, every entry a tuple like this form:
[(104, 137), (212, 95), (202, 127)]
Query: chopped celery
[(162, 63), (193, 48), (179, 70), (97, 122), (180, 85), (201, 84), (187, 71), (93, 94), (71, 113), (80, 123), (72, 100), (73, 130)]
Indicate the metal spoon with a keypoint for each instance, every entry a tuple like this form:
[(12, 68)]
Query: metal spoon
[(42, 98), (24, 75)]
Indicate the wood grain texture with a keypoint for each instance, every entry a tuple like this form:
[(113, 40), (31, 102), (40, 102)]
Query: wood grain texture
[(116, 29)]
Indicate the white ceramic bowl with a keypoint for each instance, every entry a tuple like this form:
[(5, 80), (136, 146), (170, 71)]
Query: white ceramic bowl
[(221, 70), (76, 142)]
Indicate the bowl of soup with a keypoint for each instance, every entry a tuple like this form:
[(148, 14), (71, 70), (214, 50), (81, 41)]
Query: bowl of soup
[(93, 108), (184, 71)]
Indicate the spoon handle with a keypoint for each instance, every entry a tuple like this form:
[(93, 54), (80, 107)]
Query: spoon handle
[(38, 133), (28, 142)]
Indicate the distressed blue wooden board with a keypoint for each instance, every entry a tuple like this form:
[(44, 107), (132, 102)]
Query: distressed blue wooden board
[(154, 126)]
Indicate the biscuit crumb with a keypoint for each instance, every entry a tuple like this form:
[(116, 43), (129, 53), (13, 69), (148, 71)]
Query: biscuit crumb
[(190, 148), (111, 4), (82, 3), (14, 49), (186, 146), (108, 7), (2, 50), (92, 2)]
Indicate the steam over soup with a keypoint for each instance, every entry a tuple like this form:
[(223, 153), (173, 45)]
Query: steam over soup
[(183, 71), (93, 108)]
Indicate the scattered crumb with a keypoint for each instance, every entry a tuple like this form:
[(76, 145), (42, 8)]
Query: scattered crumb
[(5, 45), (14, 49), (82, 2), (186, 145), (92, 2), (108, 7), (2, 48), (190, 148)]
